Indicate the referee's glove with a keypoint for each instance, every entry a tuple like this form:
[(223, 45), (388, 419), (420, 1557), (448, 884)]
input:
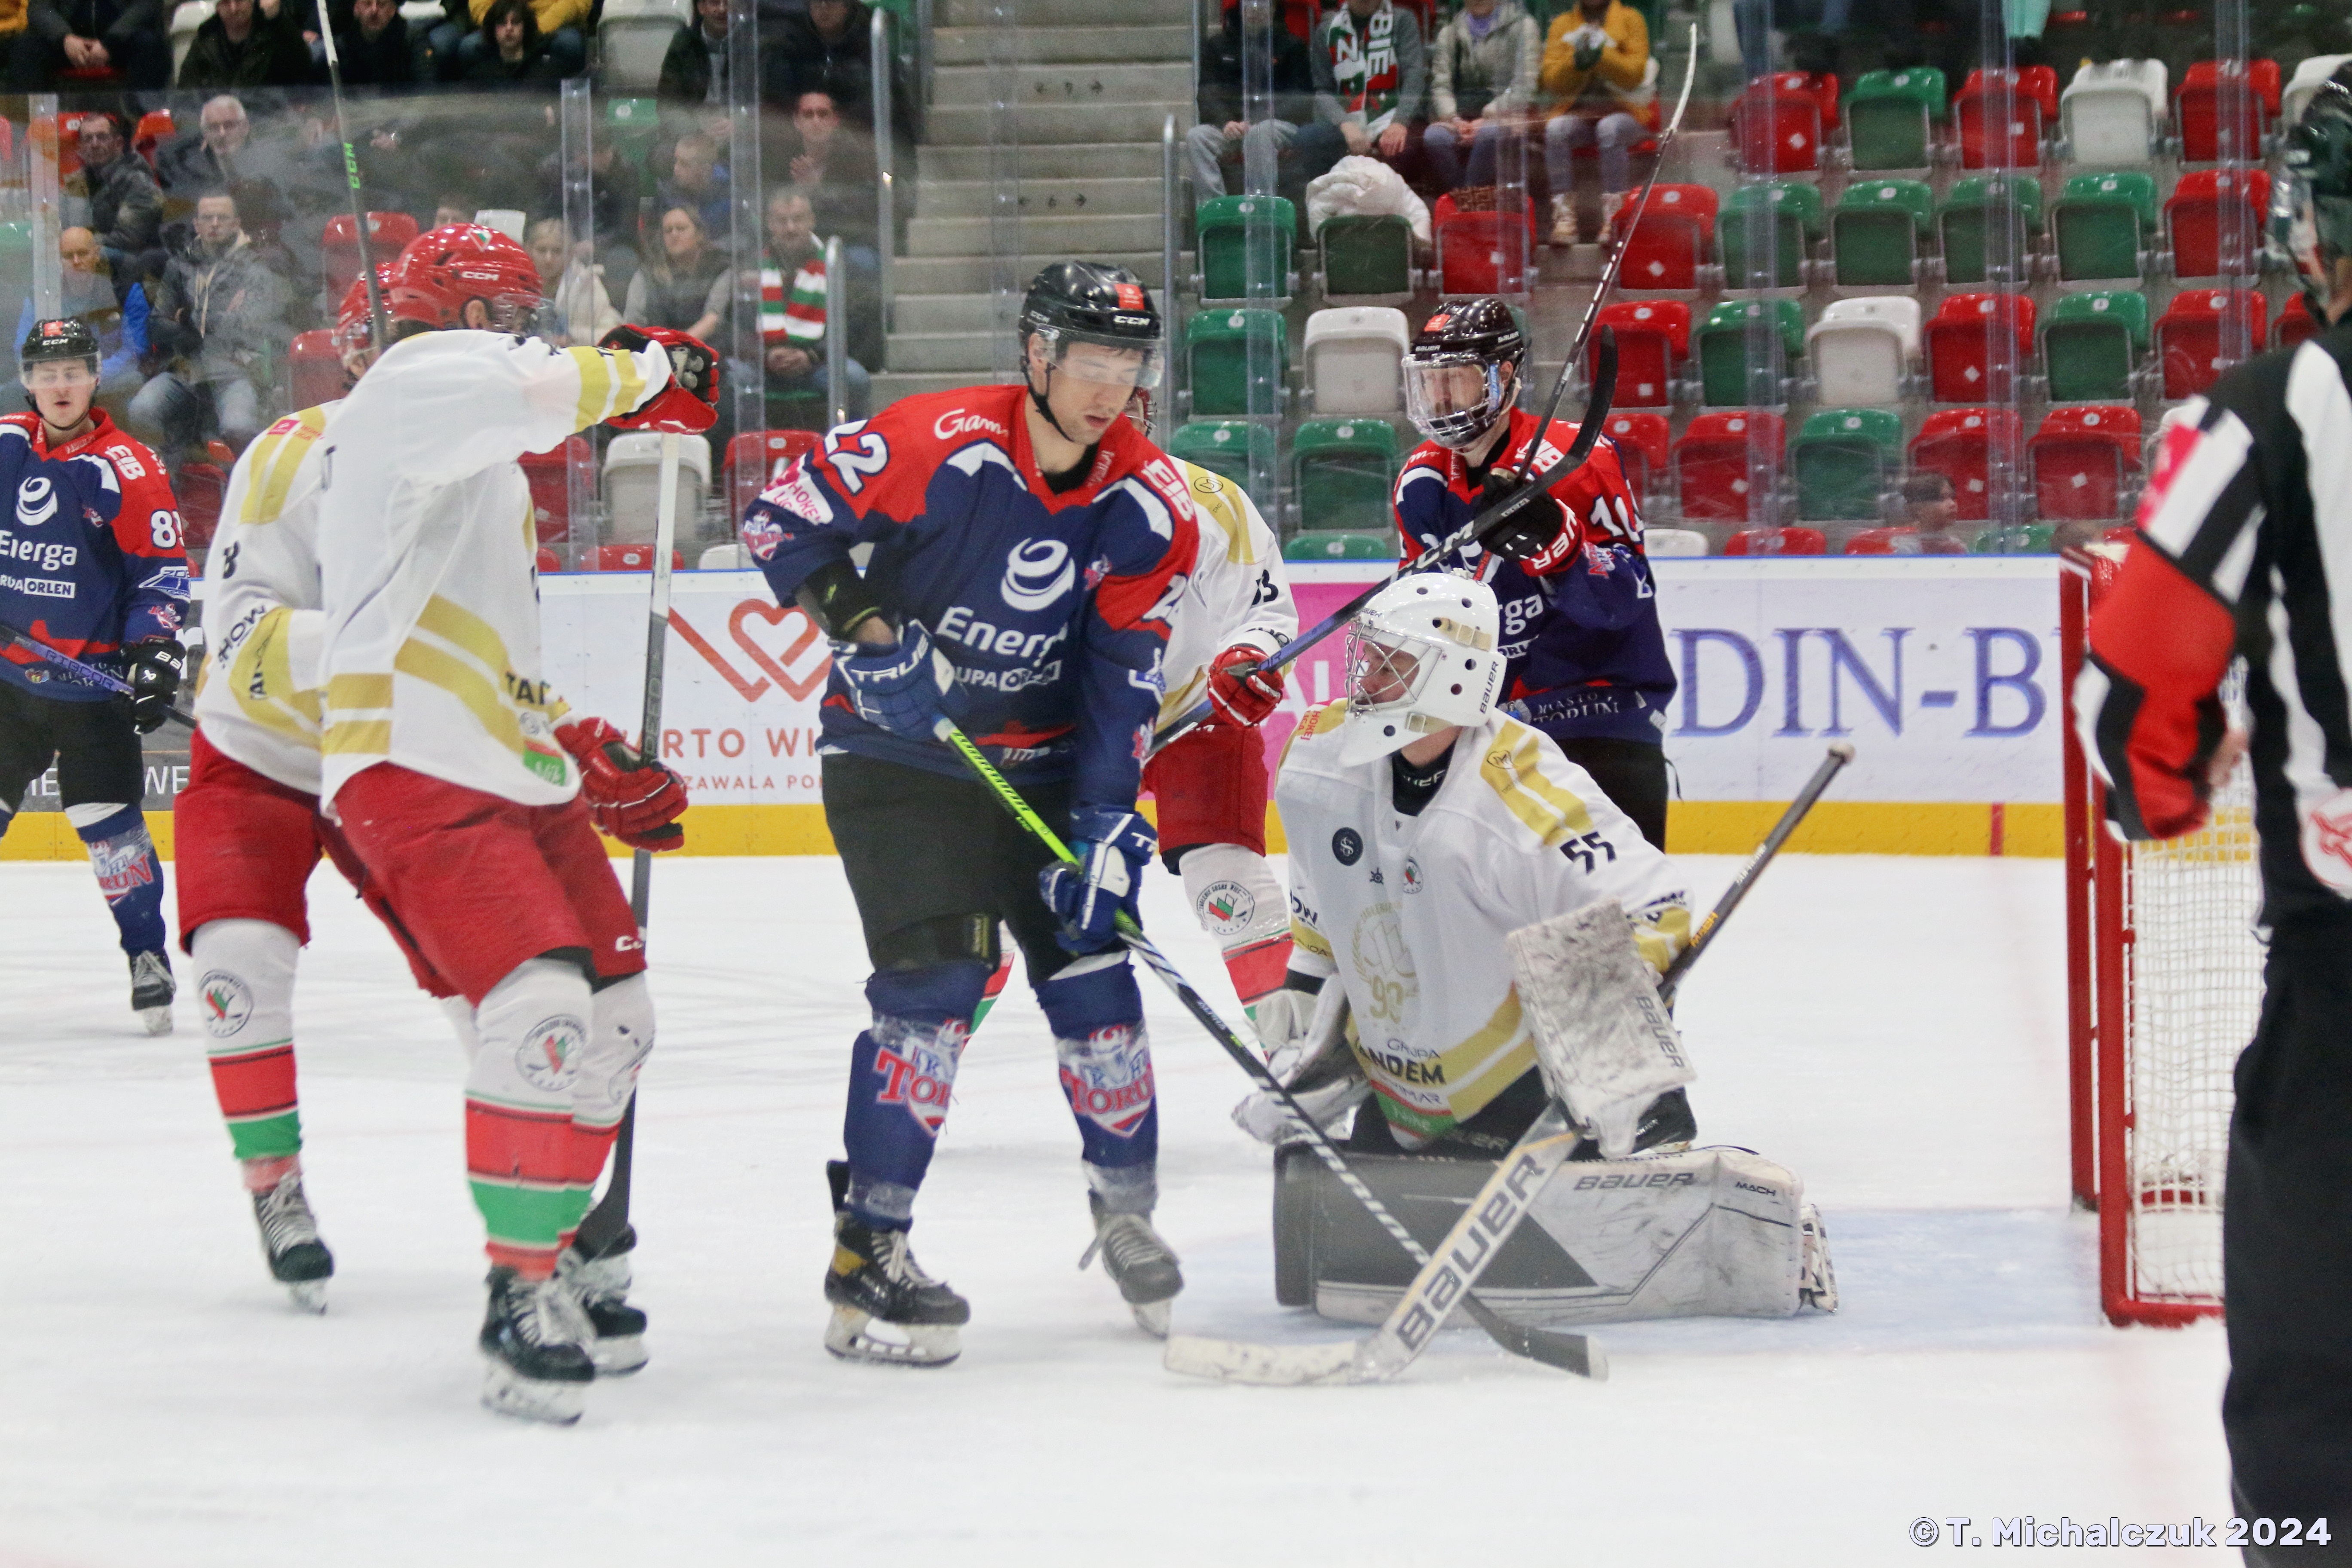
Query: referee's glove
[(152, 670), (1112, 849)]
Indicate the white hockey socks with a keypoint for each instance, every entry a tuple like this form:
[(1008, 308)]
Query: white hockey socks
[(521, 1154), (1237, 900), (245, 991)]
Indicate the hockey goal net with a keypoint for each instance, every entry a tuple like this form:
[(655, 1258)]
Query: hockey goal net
[(2164, 982)]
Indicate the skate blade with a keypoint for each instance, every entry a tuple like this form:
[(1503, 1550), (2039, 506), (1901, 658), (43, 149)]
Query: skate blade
[(618, 1355), (1153, 1317), (532, 1399), (308, 1295), (847, 1336), (155, 1020)]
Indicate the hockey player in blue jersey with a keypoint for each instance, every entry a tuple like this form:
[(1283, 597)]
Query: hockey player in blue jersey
[(1028, 543), (91, 565)]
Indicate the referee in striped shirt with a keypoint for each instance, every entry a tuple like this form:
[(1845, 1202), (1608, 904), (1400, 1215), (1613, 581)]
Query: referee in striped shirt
[(2245, 549)]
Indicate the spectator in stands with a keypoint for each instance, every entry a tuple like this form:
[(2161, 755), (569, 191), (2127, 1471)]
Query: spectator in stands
[(126, 210), (1370, 76), (452, 207), (792, 323), (511, 47), (374, 46), (1596, 67), (614, 187), (833, 165), (695, 183), (1482, 86), (219, 327), (688, 287), (123, 35), (583, 311), (250, 43), (828, 48), (694, 68), (116, 311), (208, 155), (1290, 138), (1932, 509)]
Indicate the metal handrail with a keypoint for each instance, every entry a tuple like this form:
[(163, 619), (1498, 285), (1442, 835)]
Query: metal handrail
[(885, 238), (1164, 413), (921, 85), (836, 329)]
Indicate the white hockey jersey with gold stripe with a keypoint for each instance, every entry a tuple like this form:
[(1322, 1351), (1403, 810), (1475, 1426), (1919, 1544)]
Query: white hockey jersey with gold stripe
[(259, 689), (1410, 911), (1237, 592), (428, 581)]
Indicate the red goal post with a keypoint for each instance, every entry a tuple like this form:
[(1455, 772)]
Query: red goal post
[(2164, 982)]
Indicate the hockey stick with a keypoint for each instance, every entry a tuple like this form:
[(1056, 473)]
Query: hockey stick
[(1571, 1353), (379, 324), (1588, 432), (1491, 1218), (610, 1217), (74, 669)]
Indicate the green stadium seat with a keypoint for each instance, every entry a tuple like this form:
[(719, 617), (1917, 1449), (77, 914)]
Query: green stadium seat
[(2027, 539), (633, 123), (1730, 374), (1972, 205), (1367, 260), (1237, 362), (1890, 117), (2091, 343), (1229, 448), (1789, 212), (1341, 547), (2102, 223), (1843, 458), (1342, 471), (1244, 247), (1876, 232)]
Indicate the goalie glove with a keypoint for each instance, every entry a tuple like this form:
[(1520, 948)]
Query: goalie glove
[(1243, 694), (631, 797), (1317, 1068), (689, 403)]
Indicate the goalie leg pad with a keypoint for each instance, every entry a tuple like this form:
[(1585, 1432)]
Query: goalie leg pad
[(1602, 1039)]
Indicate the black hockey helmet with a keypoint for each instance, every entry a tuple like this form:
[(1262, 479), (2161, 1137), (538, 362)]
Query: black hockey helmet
[(1092, 302), (1461, 372), (59, 338), (2311, 193)]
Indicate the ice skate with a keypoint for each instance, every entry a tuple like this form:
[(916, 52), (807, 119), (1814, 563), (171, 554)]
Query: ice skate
[(1817, 1277), (151, 990), (1139, 1262), (599, 1285), (885, 1308), (533, 1338), (290, 1240)]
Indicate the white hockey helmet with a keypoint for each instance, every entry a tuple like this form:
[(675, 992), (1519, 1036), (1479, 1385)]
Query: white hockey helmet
[(1421, 659)]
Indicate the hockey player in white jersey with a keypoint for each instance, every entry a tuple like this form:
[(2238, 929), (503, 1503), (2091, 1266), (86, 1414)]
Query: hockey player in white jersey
[(460, 778)]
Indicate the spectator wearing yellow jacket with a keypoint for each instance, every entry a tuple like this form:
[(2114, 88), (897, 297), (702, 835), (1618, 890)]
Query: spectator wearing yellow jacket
[(1596, 72)]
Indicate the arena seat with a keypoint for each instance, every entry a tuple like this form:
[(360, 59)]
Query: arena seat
[(2082, 459), (2003, 114), (633, 36), (155, 128), (1644, 443), (1484, 252), (1341, 547), (1652, 341), (1983, 206), (1777, 542), (2230, 101), (627, 558), (633, 486), (1768, 232), (1977, 345), (1242, 236), (1219, 348), (1669, 542), (2091, 344), (1227, 447), (1891, 119), (339, 249), (549, 474), (1882, 541), (756, 460), (1877, 232), (1672, 241), (2215, 219), (1843, 459), (1366, 260), (1861, 350), (1747, 350), (1719, 458), (549, 560), (2106, 226), (2294, 324), (2112, 114), (314, 370), (1976, 449), (1778, 123), (1354, 356), (2204, 332), (1342, 471), (2023, 539), (199, 488)]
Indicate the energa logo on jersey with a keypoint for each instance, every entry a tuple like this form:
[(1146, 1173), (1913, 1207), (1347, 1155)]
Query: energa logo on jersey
[(36, 500), (1037, 572)]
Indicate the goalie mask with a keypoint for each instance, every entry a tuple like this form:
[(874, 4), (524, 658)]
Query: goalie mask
[(2311, 195), (1463, 371), (1421, 659)]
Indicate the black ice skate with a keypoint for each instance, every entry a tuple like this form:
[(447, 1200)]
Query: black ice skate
[(1666, 1128), (290, 1240), (600, 1284), (1142, 1265), (885, 1308), (534, 1338), (151, 990)]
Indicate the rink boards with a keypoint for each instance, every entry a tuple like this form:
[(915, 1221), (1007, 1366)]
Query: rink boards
[(1941, 670)]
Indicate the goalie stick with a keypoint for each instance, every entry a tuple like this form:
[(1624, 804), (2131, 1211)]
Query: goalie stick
[(74, 669), (1588, 432), (1569, 1353), (1487, 1223)]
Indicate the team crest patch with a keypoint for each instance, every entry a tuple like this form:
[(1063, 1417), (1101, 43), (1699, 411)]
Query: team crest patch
[(1346, 846), (918, 1070), (1226, 907), (1107, 1076), (1412, 875), (548, 1057), (2328, 841), (227, 1003)]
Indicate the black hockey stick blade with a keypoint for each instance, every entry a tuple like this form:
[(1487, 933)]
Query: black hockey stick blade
[(1553, 1347)]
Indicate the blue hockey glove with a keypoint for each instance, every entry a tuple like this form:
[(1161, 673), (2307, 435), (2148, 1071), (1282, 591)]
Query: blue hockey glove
[(905, 688), (1113, 847)]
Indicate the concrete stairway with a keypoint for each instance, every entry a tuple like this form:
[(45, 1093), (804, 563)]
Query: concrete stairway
[(1089, 99)]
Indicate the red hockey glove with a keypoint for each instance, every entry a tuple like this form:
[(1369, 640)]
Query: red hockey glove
[(631, 796), (689, 403), (1241, 695)]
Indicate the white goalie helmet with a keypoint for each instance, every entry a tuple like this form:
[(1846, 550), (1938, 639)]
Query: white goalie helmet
[(1421, 659)]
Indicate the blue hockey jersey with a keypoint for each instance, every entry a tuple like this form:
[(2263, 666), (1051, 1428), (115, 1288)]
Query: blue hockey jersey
[(90, 555), (1053, 608), (1580, 623)]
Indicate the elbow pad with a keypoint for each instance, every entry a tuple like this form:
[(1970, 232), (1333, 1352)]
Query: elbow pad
[(836, 598)]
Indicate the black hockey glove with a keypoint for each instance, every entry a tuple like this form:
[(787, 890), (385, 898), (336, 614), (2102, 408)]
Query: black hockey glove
[(1529, 522), (152, 670)]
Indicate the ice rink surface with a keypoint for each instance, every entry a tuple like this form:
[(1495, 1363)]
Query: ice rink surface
[(1892, 1029)]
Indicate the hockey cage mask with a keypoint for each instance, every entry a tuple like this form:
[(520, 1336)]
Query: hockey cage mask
[(1421, 659), (2311, 195), (1461, 372)]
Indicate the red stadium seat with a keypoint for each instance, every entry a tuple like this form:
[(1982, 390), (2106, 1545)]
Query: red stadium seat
[(1711, 461), (549, 560), (1642, 442), (2204, 332), (155, 128), (2212, 99), (1778, 541), (1777, 122), (1969, 447), (1653, 340), (339, 249), (2294, 324), (1676, 236), (1483, 252), (1881, 542), (315, 371), (2215, 217), (2002, 114), (2081, 458), (628, 558), (550, 477), (756, 460), (199, 486), (1968, 358)]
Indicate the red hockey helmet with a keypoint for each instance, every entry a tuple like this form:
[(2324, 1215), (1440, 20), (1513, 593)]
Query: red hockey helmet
[(444, 269)]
